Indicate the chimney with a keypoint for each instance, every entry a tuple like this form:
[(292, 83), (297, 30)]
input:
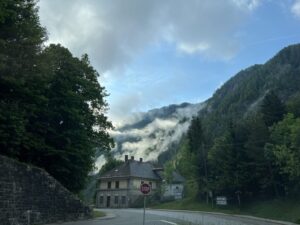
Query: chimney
[(126, 158), (141, 159), (132, 158)]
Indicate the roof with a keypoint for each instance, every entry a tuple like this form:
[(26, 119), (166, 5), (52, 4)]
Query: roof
[(176, 177), (132, 168)]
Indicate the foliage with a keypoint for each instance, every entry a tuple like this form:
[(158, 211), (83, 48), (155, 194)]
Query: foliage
[(168, 172), (293, 105), (21, 38), (285, 145), (52, 106), (97, 214), (272, 109), (110, 164), (278, 209), (196, 141), (186, 163), (245, 136)]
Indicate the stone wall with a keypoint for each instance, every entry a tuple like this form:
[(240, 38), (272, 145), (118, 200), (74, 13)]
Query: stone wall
[(29, 195)]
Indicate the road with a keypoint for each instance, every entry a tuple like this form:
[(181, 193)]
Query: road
[(157, 217)]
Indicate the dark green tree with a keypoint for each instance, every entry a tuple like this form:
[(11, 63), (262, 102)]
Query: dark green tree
[(110, 164), (262, 181), (51, 103), (21, 39), (196, 142), (293, 105), (186, 164), (272, 109), (228, 163), (69, 122), (285, 147)]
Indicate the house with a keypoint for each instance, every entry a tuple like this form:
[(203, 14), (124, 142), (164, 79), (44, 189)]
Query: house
[(120, 187), (174, 189)]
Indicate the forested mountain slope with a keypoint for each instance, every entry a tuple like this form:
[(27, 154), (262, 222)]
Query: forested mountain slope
[(245, 141), (244, 92)]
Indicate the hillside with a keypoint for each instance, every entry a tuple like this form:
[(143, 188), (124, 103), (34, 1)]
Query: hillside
[(244, 143), (157, 134), (243, 93), (154, 132)]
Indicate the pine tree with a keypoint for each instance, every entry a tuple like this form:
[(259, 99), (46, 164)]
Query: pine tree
[(272, 109)]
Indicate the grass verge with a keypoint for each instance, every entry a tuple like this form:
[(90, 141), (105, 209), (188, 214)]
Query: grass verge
[(278, 209), (97, 214)]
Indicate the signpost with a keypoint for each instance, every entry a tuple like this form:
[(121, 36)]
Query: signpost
[(145, 189), (221, 200)]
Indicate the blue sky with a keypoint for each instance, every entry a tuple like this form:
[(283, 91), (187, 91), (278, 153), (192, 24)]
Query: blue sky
[(155, 53)]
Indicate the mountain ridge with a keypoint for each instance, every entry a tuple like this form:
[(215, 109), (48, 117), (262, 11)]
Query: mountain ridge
[(237, 97), (152, 132)]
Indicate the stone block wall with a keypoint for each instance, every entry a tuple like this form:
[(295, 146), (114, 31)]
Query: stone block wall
[(29, 196)]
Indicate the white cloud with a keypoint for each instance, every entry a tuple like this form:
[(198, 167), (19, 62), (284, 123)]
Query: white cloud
[(149, 141), (113, 32), (123, 108), (191, 49), (247, 4), (296, 8), (155, 137)]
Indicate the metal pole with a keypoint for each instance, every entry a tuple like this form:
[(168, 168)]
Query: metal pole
[(144, 209), (28, 217)]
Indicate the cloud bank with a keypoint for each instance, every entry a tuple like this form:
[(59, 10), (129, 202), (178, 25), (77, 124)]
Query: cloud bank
[(149, 134), (296, 8), (113, 32)]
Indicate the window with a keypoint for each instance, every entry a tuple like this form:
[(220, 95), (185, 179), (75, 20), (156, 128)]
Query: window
[(142, 182), (176, 190), (123, 200), (150, 183), (101, 200), (117, 184), (116, 200), (108, 185)]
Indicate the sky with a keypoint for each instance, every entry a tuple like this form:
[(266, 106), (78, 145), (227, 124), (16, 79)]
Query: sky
[(154, 53)]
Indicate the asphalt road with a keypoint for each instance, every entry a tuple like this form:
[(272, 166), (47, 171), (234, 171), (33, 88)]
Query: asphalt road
[(157, 217)]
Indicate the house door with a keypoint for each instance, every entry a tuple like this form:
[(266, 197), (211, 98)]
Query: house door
[(108, 201)]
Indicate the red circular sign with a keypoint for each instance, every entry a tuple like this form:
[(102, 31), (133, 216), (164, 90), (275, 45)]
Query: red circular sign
[(145, 188)]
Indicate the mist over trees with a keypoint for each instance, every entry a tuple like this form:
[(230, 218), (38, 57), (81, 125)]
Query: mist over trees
[(245, 143), (51, 103)]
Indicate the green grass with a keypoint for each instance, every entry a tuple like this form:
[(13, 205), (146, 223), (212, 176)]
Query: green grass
[(278, 209), (97, 214)]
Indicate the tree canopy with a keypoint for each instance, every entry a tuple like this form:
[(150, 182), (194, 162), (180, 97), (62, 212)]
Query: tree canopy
[(52, 107), (247, 135)]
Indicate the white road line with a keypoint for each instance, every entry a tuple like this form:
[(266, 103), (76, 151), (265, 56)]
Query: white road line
[(165, 221)]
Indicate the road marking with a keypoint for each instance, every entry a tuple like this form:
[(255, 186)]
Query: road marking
[(165, 221)]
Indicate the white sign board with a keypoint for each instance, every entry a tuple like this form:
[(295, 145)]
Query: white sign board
[(221, 200)]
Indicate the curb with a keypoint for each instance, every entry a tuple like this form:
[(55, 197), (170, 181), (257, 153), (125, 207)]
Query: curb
[(106, 217), (233, 215)]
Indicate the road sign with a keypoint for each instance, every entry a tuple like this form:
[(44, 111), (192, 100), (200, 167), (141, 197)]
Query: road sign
[(221, 200), (145, 188)]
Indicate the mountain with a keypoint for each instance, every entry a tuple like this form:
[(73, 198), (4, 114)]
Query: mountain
[(154, 135), (243, 93), (244, 142), (151, 133), (157, 134)]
